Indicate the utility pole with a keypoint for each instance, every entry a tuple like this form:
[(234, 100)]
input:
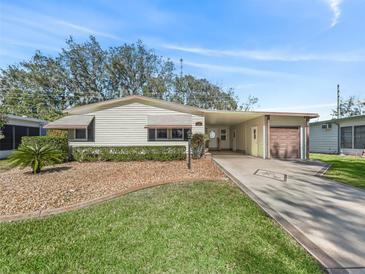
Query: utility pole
[(338, 101)]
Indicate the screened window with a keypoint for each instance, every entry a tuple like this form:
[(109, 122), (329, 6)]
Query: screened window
[(177, 133), (7, 142), (161, 133), (80, 134), (19, 133), (360, 137), (346, 137)]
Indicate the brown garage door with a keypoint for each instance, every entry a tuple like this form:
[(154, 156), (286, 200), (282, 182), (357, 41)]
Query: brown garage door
[(284, 142)]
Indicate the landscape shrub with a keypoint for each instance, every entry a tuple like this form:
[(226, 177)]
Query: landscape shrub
[(197, 145), (59, 143), (129, 153), (35, 156)]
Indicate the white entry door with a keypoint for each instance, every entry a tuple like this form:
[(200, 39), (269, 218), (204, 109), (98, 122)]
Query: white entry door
[(234, 140), (213, 138), (254, 144)]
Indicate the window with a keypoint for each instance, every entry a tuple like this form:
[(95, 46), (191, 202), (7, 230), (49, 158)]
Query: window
[(177, 133), (167, 134), (161, 133), (346, 137), (80, 134), (223, 134), (359, 137), (7, 142)]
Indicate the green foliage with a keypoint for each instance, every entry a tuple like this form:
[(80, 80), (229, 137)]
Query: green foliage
[(59, 143), (2, 123), (129, 153), (197, 145), (35, 156), (85, 73), (349, 107), (57, 133)]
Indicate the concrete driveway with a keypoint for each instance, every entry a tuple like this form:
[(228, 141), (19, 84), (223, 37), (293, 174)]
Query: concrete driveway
[(326, 217)]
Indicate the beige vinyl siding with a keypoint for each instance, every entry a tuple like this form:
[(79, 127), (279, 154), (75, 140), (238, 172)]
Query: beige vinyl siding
[(323, 140), (243, 135), (126, 126), (287, 121)]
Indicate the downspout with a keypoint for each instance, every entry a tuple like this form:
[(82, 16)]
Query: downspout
[(338, 138)]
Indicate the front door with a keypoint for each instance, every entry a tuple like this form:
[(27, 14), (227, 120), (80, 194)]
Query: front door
[(213, 144), (254, 145)]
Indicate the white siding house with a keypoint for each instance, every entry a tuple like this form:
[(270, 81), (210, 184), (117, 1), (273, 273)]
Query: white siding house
[(144, 121), (345, 135)]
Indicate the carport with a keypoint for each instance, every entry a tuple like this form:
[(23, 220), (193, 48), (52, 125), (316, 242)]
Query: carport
[(260, 134)]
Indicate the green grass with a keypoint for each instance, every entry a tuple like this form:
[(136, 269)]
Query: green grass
[(200, 227), (345, 169), (4, 166)]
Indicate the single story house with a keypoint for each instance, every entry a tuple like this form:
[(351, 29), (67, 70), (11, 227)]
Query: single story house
[(138, 120), (344, 135), (15, 128)]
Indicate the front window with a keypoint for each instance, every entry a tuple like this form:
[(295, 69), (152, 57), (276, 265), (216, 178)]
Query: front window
[(359, 137), (177, 133), (168, 134), (162, 133), (80, 134), (346, 137)]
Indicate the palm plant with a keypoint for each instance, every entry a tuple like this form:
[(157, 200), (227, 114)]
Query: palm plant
[(35, 156)]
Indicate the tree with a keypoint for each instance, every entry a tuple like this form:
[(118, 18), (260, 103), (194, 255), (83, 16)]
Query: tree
[(250, 103), (85, 73), (203, 94), (2, 123), (349, 107)]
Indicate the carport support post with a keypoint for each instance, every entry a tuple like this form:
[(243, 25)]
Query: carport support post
[(189, 149), (307, 138), (267, 154)]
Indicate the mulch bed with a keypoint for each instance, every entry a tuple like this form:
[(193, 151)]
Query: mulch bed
[(72, 183)]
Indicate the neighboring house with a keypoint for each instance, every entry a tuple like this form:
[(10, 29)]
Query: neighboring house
[(15, 128), (344, 135), (144, 121)]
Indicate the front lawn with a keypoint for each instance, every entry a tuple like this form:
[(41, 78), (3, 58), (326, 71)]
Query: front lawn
[(199, 227), (345, 169)]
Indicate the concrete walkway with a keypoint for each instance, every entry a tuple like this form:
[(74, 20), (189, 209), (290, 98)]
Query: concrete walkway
[(326, 217)]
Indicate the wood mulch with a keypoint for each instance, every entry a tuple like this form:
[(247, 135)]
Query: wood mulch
[(73, 183)]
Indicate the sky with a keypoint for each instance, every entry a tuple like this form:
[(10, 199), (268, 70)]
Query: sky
[(291, 54)]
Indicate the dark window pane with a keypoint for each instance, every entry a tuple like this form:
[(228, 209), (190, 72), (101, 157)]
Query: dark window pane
[(19, 133), (346, 137), (151, 134), (7, 142), (177, 133), (360, 137), (161, 133), (186, 132), (80, 133), (33, 131), (223, 134)]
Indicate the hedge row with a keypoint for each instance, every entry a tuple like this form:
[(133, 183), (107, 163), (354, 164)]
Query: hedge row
[(129, 153), (59, 143)]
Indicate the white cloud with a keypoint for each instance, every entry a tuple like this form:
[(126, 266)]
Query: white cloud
[(271, 55), (336, 10), (237, 70)]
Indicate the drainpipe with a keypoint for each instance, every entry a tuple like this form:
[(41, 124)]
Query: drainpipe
[(338, 138)]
